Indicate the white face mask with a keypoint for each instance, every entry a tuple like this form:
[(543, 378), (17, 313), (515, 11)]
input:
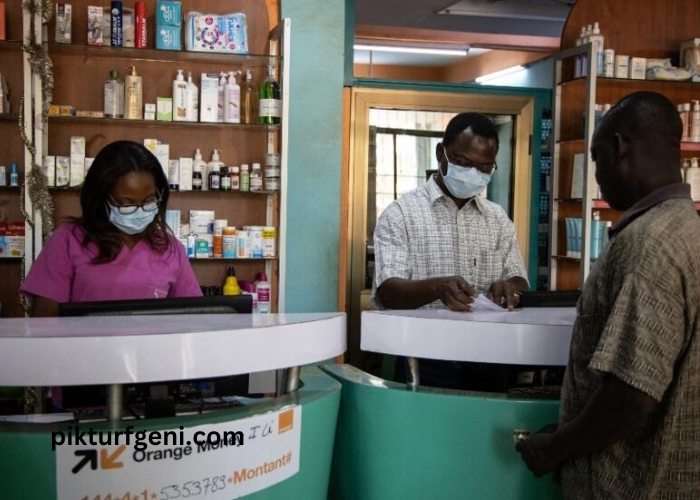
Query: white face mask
[(134, 223), (464, 182)]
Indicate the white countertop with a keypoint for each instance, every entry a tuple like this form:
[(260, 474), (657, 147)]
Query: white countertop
[(127, 349), (533, 336)]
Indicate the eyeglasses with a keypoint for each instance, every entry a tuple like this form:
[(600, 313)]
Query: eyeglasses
[(147, 206), (486, 169)]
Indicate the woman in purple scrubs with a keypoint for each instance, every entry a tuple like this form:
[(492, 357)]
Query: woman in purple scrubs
[(121, 247)]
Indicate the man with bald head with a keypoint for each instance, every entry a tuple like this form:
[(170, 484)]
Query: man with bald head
[(629, 425)]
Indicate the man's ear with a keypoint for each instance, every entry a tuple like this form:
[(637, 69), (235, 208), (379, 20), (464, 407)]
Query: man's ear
[(622, 146), (440, 152)]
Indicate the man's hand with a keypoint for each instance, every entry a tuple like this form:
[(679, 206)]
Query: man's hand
[(455, 293), (504, 293), (535, 452)]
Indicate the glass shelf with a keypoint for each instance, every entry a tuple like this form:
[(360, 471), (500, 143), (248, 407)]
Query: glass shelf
[(186, 193), (244, 259), (161, 56)]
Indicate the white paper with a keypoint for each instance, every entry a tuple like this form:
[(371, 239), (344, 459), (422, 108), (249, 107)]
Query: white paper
[(482, 303)]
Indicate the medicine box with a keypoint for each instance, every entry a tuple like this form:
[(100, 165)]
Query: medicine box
[(164, 109), (638, 68), (209, 98), (12, 239), (63, 22), (168, 13), (168, 38)]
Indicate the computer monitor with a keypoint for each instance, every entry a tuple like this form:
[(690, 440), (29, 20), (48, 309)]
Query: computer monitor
[(93, 397), (221, 304)]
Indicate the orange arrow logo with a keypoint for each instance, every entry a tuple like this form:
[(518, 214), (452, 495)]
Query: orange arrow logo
[(109, 461)]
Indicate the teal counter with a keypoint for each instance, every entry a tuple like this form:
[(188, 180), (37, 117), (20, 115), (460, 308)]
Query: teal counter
[(431, 444), (29, 471)]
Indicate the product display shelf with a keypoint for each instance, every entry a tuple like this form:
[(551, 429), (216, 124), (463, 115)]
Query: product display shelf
[(575, 99), (238, 143), (11, 151), (166, 56)]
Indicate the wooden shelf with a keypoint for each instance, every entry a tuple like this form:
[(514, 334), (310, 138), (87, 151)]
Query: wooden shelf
[(160, 56), (564, 257), (186, 193), (632, 85), (122, 122), (690, 146), (9, 117), (596, 203)]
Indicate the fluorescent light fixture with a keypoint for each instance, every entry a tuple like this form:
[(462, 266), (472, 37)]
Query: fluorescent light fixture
[(412, 50), (498, 74)]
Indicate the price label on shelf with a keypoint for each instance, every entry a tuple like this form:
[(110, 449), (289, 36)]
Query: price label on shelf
[(209, 462)]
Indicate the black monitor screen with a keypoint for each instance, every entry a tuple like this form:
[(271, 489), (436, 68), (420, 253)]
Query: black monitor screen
[(221, 304)]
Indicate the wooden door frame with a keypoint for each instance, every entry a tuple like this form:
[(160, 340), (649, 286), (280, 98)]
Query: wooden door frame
[(361, 101)]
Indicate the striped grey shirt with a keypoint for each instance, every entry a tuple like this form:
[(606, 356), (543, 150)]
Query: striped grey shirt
[(423, 235)]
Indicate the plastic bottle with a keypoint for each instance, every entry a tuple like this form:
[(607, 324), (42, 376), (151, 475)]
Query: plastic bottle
[(197, 177), (232, 100), (683, 113), (248, 288), (249, 100), (114, 96), (598, 49), (222, 84), (256, 178), (270, 104), (200, 165), (692, 177), (231, 284), (695, 122), (245, 178), (214, 167), (225, 179), (3, 176), (179, 98), (684, 168), (14, 175), (263, 289), (192, 99), (133, 95), (584, 58), (579, 59), (686, 108), (234, 174)]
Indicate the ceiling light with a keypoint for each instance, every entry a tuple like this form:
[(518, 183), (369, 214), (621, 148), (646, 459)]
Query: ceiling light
[(412, 50), (498, 74)]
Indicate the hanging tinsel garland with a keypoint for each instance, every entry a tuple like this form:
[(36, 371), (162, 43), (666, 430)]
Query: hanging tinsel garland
[(35, 186)]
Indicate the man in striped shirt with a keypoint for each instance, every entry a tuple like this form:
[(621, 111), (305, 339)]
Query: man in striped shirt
[(440, 245)]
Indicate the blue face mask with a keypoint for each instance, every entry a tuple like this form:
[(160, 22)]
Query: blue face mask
[(464, 182), (131, 224)]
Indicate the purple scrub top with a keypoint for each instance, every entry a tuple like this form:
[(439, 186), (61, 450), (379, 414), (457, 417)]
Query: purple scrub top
[(64, 272)]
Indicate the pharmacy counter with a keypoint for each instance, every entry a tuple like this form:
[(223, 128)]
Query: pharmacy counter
[(277, 448), (395, 442)]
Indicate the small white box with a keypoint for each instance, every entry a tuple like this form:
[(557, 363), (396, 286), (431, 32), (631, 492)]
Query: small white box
[(77, 145), (686, 47), (95, 34), (151, 144), (149, 107), (77, 170), (577, 177), (638, 68), (209, 98), (202, 222), (172, 219), (62, 171), (88, 164), (174, 174), (49, 167), (163, 155), (64, 20), (186, 167)]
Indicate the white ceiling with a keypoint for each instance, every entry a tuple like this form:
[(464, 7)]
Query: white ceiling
[(507, 17)]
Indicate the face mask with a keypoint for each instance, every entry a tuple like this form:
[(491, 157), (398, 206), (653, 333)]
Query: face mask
[(464, 183), (132, 223)]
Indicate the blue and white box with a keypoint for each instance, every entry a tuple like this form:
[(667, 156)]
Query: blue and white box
[(220, 33)]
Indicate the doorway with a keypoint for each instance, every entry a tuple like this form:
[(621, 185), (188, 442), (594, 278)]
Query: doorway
[(392, 150)]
